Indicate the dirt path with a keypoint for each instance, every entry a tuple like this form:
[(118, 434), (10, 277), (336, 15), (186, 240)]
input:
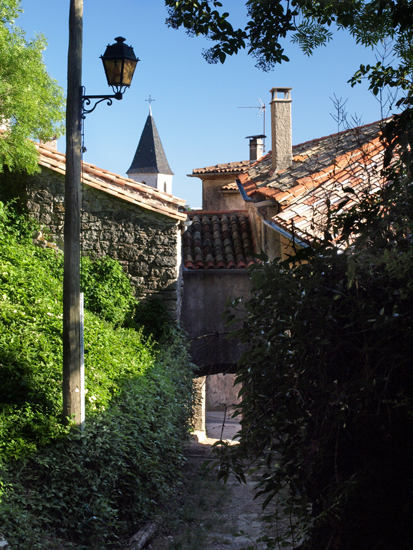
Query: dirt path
[(208, 513)]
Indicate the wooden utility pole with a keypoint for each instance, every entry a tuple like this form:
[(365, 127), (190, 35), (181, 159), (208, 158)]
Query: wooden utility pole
[(71, 281)]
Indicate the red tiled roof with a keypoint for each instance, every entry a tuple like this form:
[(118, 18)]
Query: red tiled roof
[(230, 187), (218, 240), (338, 168), (229, 168), (116, 185)]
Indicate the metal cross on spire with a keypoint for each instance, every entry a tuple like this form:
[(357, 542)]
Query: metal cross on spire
[(150, 101)]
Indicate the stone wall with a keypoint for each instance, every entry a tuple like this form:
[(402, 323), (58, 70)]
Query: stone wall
[(146, 243), (221, 393)]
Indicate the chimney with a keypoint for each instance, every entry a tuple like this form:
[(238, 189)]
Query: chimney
[(256, 147), (282, 154)]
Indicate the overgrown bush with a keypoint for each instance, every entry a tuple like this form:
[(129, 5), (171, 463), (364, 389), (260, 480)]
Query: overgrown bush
[(69, 489), (153, 318), (31, 349), (327, 380), (107, 290), (95, 488)]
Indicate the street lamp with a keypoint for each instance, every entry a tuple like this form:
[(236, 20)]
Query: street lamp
[(119, 62)]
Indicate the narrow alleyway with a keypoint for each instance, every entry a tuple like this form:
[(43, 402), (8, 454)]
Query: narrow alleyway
[(209, 514)]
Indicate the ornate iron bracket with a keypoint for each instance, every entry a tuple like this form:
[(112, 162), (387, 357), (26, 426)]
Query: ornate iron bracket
[(86, 100)]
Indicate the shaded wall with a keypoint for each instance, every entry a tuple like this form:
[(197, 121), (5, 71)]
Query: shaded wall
[(220, 393), (214, 199), (205, 295)]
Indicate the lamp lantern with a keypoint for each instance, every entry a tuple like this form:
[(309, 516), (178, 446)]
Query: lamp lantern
[(119, 61)]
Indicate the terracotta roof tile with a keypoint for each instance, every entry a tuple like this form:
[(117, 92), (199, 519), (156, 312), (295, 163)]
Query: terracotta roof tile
[(316, 157), (218, 240), (115, 185), (321, 169), (228, 168), (230, 187)]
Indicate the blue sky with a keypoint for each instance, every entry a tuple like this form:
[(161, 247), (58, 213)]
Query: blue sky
[(196, 104)]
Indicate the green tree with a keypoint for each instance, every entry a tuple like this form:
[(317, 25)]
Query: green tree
[(308, 23), (31, 102), (327, 396)]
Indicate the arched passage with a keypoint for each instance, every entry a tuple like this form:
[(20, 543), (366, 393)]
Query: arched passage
[(205, 295)]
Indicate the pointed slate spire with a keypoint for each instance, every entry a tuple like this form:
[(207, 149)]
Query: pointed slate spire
[(150, 157)]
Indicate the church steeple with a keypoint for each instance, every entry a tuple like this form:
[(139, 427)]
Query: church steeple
[(150, 164)]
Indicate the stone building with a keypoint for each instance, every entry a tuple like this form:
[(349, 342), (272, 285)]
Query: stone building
[(289, 192), (218, 246), (132, 222)]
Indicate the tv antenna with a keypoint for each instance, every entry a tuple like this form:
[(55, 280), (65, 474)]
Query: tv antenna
[(261, 111)]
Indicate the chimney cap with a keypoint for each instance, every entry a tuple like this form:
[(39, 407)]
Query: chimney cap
[(261, 136), (281, 90)]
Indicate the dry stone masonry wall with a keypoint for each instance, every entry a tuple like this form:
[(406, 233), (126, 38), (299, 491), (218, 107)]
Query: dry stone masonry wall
[(146, 243)]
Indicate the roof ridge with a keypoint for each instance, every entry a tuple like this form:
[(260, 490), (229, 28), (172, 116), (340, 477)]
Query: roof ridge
[(214, 212), (91, 168)]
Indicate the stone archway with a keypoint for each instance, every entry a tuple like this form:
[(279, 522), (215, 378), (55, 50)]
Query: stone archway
[(205, 294)]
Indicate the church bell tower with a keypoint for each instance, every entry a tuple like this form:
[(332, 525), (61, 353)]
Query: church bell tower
[(149, 165)]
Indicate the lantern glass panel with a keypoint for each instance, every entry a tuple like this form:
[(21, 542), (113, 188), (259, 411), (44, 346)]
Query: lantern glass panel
[(113, 70), (128, 70)]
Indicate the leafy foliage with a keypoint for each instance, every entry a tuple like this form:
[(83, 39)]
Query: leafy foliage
[(308, 24), (107, 290), (197, 17), (327, 402), (125, 465), (31, 347), (31, 102), (138, 406), (153, 318)]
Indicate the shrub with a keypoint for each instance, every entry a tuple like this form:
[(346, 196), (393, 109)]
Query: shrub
[(31, 351), (327, 396), (62, 488), (93, 488), (153, 318), (31, 344), (107, 290), (327, 400)]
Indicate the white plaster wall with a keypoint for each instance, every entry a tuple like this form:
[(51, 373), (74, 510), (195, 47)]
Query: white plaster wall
[(157, 181), (162, 180)]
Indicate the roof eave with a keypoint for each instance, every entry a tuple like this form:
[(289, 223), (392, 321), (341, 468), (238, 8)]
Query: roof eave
[(286, 234), (116, 185)]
